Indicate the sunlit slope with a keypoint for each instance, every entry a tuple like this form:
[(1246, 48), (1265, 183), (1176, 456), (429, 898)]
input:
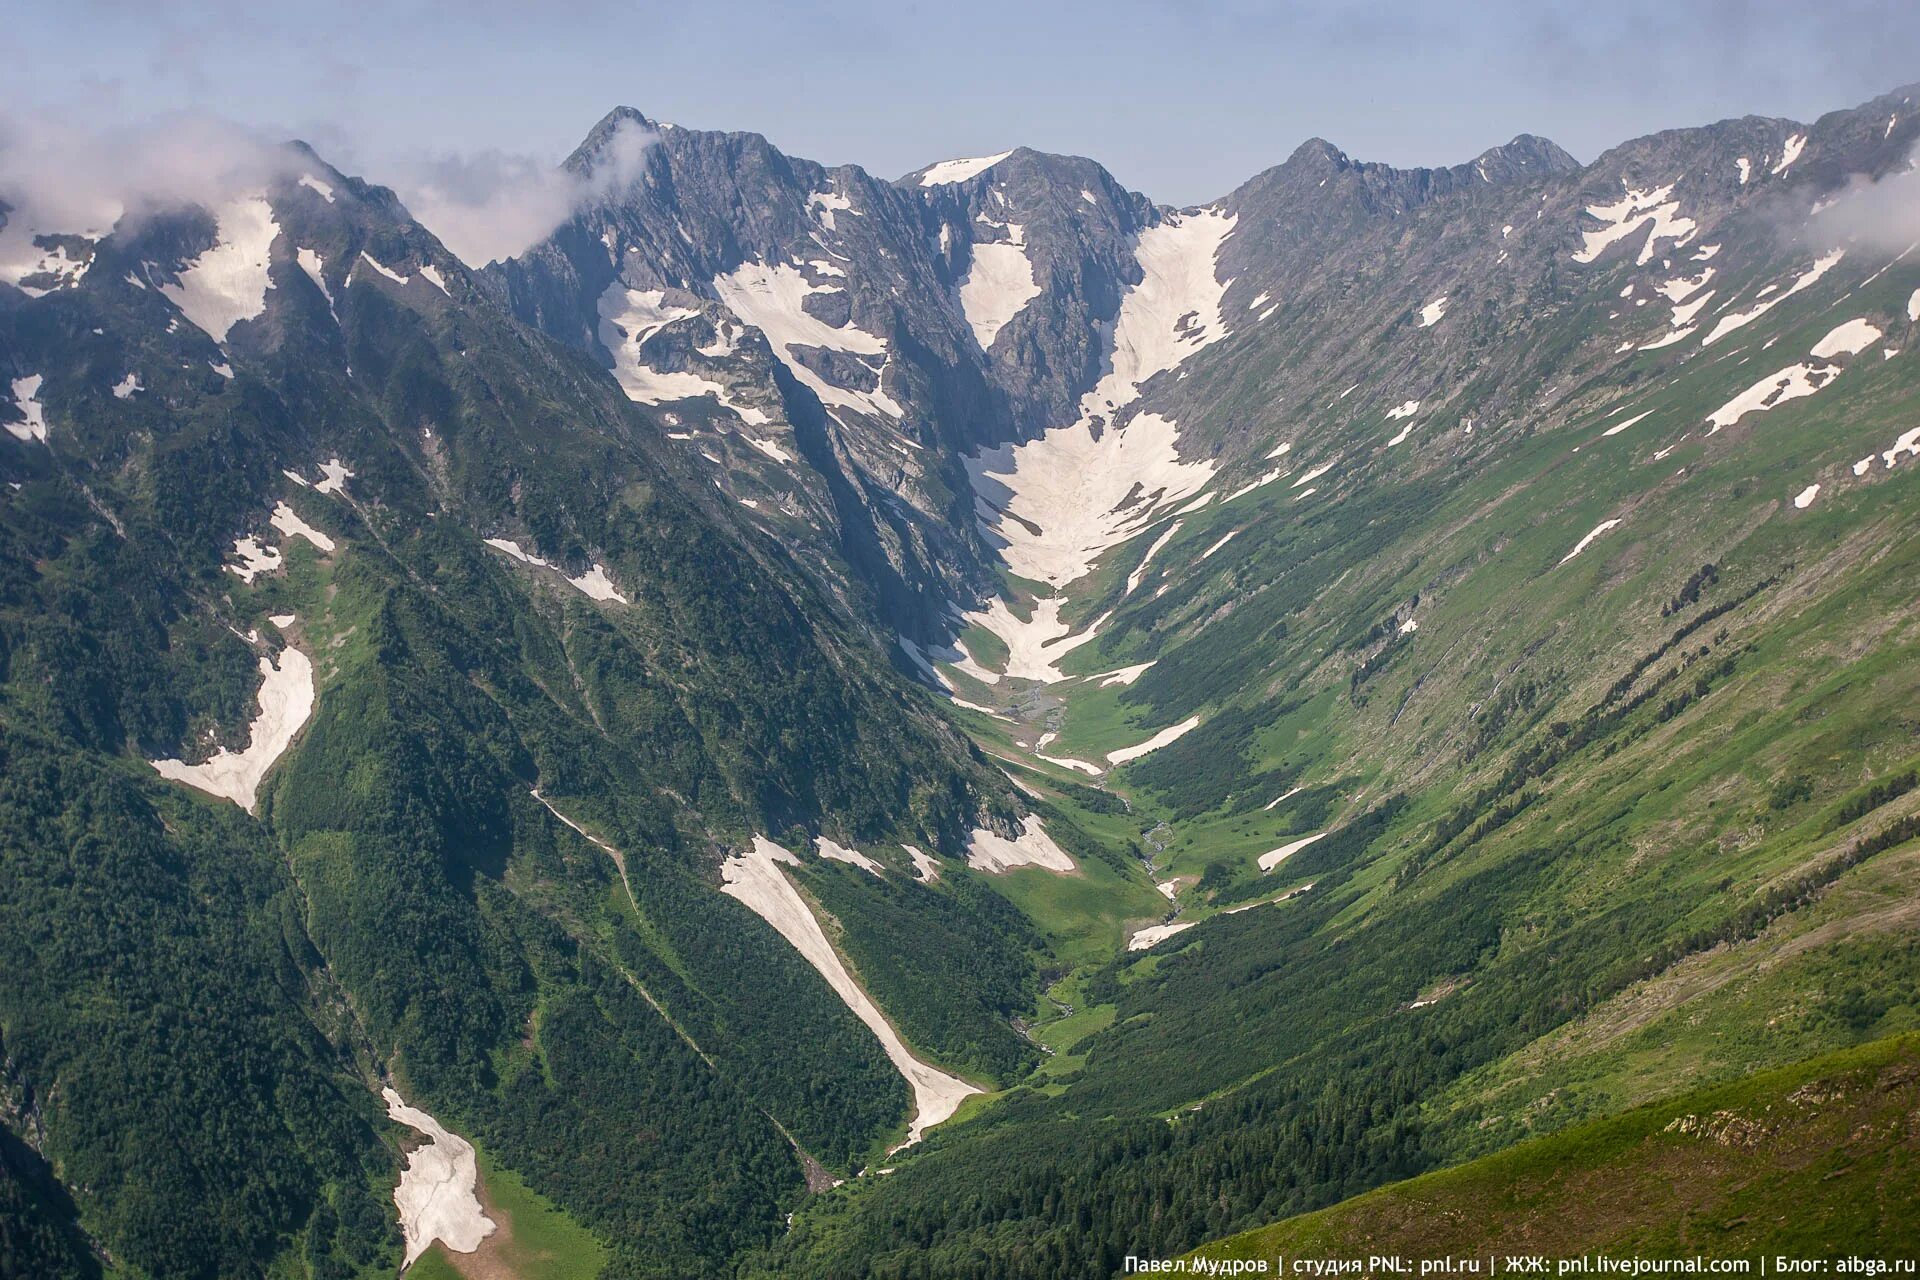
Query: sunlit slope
[(1811, 1161), (1528, 738)]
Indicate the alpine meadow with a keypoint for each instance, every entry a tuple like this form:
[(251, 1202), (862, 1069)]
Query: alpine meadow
[(803, 724)]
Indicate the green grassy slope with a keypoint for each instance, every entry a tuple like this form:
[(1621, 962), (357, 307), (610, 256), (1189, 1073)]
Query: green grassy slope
[(1814, 1160)]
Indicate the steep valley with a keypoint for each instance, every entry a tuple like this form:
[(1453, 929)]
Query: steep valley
[(975, 725)]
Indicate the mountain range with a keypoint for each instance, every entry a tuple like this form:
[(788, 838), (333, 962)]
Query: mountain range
[(975, 724)]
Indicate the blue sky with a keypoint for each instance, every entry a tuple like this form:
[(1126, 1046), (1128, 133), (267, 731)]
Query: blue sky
[(1181, 100)]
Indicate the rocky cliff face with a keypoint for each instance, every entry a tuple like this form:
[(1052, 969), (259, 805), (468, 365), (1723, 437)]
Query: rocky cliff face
[(832, 346)]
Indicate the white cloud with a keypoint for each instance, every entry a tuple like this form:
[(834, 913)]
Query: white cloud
[(488, 205), (1882, 216), (59, 176)]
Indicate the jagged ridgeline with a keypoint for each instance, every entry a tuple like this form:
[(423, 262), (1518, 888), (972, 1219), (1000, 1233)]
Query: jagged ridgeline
[(968, 725)]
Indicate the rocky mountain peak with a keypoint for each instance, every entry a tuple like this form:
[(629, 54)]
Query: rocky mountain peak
[(1528, 156)]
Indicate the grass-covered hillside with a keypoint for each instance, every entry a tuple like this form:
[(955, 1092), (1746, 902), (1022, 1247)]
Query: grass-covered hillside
[(1811, 1161)]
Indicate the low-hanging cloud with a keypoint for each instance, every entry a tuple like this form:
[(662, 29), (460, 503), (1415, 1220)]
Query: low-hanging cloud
[(60, 176), (1880, 217), (489, 205)]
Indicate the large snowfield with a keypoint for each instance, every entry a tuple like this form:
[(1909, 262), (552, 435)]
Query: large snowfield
[(1055, 504)]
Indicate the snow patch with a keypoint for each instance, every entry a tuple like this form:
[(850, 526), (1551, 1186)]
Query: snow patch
[(229, 282), (594, 583), (1806, 279), (1274, 857), (835, 852), (26, 399), (127, 386), (1849, 339), (382, 268), (437, 1195), (1173, 311), (1280, 799), (769, 447), (1652, 208), (1805, 497), (1035, 644), (286, 701), (286, 521), (1139, 573), (1312, 475), (1153, 935), (1057, 503), (1216, 546), (997, 287), (255, 559), (315, 266), (949, 171), (771, 299), (1795, 382), (726, 340), (334, 477), (1683, 316), (826, 204), (1680, 289), (1582, 545), (1054, 505), (1067, 762), (1618, 427), (924, 866), (24, 258), (755, 879), (1172, 733), (1795, 145), (628, 318), (989, 851), (1431, 313), (1906, 442)]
